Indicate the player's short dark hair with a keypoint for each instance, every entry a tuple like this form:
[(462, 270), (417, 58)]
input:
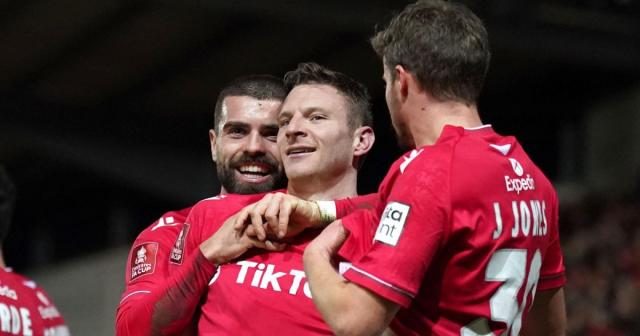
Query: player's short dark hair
[(443, 44), (357, 94), (262, 87), (7, 202)]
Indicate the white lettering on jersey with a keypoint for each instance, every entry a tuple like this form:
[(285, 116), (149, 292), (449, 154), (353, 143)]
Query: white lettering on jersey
[(529, 219), (15, 320), (518, 183), (265, 277), (7, 291), (392, 223), (407, 160)]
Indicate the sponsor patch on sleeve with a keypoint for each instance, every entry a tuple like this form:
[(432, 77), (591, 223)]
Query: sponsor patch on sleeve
[(392, 223), (143, 260), (177, 251)]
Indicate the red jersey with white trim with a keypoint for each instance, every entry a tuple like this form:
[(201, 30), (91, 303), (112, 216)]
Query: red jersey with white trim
[(26, 309), (156, 250), (467, 231), (263, 293)]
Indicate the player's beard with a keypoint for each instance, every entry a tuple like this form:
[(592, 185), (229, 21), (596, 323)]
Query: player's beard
[(228, 179)]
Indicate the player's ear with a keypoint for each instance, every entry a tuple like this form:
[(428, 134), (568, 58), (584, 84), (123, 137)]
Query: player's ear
[(212, 143), (363, 140), (402, 77)]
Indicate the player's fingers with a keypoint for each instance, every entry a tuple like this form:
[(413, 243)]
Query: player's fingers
[(274, 246), (271, 214), (250, 231), (256, 224), (283, 219), (241, 218)]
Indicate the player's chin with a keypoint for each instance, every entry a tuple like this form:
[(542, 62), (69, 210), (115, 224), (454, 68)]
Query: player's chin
[(254, 186)]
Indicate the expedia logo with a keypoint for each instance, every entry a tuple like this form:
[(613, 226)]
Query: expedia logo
[(517, 167), (519, 183), (392, 223)]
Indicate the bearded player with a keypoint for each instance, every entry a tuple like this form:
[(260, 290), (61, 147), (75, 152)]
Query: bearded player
[(243, 146), (324, 135)]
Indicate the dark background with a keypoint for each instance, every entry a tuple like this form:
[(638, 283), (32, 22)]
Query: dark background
[(105, 105)]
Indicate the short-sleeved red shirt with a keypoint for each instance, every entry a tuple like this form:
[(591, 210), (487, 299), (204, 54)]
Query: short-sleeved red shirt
[(466, 232)]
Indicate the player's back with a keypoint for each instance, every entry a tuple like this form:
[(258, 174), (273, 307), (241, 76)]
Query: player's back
[(26, 309), (502, 223)]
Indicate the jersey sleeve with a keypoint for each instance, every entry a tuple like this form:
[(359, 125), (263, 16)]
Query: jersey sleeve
[(148, 268), (409, 231), (52, 320), (361, 226), (552, 273), (348, 205)]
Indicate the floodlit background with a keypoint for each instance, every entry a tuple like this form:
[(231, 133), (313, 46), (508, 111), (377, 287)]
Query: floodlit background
[(105, 108)]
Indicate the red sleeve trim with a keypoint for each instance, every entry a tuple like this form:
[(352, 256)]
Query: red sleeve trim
[(552, 281), (378, 286)]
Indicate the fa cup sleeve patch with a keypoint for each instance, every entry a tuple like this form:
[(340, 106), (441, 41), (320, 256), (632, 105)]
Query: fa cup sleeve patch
[(177, 251), (143, 259), (392, 223)]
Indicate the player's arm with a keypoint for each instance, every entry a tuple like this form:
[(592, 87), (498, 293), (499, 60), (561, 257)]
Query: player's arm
[(143, 308), (133, 315), (348, 308), (173, 306), (283, 215), (547, 315)]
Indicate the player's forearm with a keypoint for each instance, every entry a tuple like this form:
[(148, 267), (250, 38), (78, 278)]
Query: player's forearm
[(345, 307), (547, 315), (176, 303)]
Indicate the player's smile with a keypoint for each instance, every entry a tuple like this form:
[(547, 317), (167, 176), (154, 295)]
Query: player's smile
[(295, 152), (254, 172)]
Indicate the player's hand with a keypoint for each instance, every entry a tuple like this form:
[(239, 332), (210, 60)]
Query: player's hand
[(228, 244), (278, 214), (329, 241)]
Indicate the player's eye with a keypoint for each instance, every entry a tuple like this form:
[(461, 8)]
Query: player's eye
[(283, 122), (271, 134), (236, 131), (316, 117)]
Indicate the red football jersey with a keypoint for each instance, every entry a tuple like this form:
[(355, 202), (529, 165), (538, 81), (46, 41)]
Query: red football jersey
[(26, 309), (154, 252), (466, 233), (263, 293)]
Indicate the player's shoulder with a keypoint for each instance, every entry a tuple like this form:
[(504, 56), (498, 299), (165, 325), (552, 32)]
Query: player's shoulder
[(225, 202), (170, 222), (17, 283)]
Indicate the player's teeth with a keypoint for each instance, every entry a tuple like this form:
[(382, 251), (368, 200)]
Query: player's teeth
[(252, 169)]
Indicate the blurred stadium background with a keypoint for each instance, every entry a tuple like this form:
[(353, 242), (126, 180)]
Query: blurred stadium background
[(105, 108)]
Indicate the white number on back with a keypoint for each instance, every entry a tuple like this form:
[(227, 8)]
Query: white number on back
[(508, 266)]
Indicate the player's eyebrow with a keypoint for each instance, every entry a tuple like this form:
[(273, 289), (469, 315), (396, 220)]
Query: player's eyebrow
[(230, 124)]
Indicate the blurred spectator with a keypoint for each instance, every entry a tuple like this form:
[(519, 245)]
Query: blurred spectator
[(601, 238)]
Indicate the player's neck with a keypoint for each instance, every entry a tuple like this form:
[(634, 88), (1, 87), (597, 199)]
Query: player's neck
[(324, 188), (429, 119), (2, 264)]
